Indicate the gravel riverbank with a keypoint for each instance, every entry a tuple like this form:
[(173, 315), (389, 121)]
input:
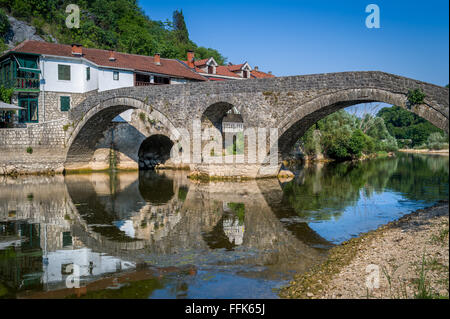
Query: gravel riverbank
[(408, 257)]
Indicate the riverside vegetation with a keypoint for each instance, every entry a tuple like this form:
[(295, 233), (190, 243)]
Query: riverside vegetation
[(344, 136)]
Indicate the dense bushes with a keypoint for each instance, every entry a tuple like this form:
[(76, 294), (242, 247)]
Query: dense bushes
[(343, 136), (436, 141), (409, 129)]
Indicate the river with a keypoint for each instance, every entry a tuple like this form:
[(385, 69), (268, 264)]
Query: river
[(209, 240)]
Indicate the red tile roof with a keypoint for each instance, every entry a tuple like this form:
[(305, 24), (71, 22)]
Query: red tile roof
[(220, 70), (224, 70), (122, 61), (235, 67), (201, 62), (261, 75)]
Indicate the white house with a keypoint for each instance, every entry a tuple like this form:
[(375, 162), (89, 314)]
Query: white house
[(49, 79)]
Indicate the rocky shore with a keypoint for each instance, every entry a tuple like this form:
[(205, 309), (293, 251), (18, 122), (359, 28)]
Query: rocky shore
[(409, 258)]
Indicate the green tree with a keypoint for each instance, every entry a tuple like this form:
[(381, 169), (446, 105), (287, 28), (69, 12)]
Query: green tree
[(179, 26), (111, 24), (6, 94), (343, 136), (407, 127), (4, 24)]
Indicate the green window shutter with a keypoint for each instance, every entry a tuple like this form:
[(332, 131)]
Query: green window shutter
[(65, 103), (63, 72), (88, 73)]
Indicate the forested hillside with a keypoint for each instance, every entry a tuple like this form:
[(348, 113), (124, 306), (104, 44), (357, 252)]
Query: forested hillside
[(107, 24)]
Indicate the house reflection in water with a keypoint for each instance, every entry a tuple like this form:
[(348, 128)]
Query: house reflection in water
[(233, 222), (38, 256)]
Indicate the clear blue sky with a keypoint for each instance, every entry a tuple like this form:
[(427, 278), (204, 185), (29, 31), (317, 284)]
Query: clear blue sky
[(317, 36)]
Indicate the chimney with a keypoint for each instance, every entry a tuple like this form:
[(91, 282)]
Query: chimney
[(190, 59), (157, 59), (255, 68), (112, 57), (77, 49)]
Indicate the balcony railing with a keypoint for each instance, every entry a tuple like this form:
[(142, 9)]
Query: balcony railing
[(140, 83), (26, 83)]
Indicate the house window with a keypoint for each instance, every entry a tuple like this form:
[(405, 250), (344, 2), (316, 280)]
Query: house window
[(245, 74), (210, 69), (30, 112), (116, 75), (88, 73), (161, 80), (65, 103), (63, 72), (67, 239)]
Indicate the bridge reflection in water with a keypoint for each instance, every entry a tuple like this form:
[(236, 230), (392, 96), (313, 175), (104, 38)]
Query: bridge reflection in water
[(110, 222), (253, 230)]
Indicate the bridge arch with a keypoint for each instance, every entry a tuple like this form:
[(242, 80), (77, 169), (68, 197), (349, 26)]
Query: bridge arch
[(89, 129), (305, 115), (222, 119)]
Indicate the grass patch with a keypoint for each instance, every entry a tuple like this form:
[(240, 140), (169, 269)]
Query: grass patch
[(423, 288), (441, 237)]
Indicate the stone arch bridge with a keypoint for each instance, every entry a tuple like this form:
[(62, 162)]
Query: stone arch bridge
[(288, 104)]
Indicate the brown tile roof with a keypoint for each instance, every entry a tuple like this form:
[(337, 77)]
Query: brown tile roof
[(261, 75), (122, 61)]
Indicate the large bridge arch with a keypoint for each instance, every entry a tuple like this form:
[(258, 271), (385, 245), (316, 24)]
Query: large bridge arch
[(305, 115), (90, 127)]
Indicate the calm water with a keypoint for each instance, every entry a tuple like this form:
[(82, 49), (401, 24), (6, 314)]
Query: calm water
[(216, 240)]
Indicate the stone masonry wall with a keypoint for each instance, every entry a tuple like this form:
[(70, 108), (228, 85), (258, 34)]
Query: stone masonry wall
[(36, 148), (51, 110)]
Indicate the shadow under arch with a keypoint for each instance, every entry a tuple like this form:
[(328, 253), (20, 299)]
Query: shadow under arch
[(154, 150)]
